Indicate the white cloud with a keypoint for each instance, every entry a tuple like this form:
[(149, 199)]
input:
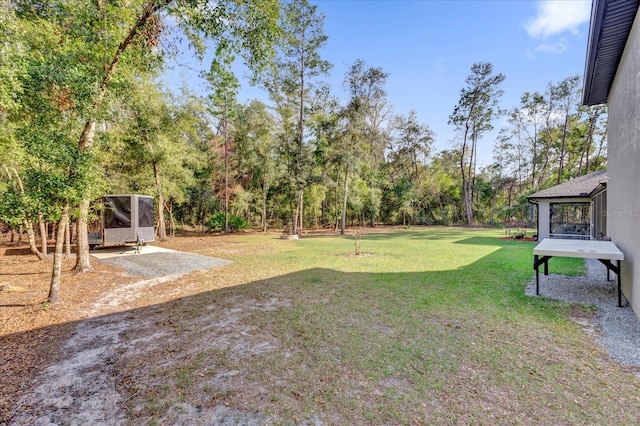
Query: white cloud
[(555, 47), (555, 17)]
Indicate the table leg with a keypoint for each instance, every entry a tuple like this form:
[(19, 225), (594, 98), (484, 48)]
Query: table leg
[(619, 286), (537, 261), (536, 265), (616, 270)]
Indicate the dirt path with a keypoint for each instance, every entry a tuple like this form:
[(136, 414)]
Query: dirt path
[(79, 388), (81, 385)]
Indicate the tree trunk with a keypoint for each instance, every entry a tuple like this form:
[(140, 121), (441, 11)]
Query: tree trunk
[(172, 223), (294, 230), (534, 159), (162, 232), (562, 151), (32, 239), (545, 164), (584, 158), (430, 210), (373, 213), (601, 145), (467, 198), (300, 211), (54, 288), (494, 201), (337, 210), (345, 197), (472, 174), (43, 235), (264, 206), (226, 169), (471, 179), (83, 261), (465, 182), (67, 239), (25, 222)]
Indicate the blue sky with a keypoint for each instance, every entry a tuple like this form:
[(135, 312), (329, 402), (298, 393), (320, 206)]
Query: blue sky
[(428, 47)]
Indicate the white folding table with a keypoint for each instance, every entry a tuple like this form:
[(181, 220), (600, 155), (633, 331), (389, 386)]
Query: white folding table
[(604, 251)]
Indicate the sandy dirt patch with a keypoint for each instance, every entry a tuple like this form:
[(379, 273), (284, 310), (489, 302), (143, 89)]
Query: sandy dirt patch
[(58, 361)]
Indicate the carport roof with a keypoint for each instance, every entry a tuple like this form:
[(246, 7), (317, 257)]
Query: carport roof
[(581, 186), (611, 22)]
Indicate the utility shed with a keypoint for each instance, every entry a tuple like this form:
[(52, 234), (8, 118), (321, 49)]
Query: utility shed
[(575, 209), (122, 219)]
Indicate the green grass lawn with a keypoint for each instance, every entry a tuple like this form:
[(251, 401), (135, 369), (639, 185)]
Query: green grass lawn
[(431, 326)]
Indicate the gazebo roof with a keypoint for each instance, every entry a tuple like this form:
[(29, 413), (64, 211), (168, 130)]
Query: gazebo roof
[(582, 186)]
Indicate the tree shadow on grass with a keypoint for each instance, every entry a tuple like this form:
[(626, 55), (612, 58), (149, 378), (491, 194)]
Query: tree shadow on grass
[(320, 345), (415, 232), (492, 241)]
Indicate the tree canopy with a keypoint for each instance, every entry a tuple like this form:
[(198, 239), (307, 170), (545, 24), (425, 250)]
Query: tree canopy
[(83, 112)]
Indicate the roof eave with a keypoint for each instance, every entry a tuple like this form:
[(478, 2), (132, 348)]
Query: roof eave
[(559, 197), (598, 189), (611, 23), (595, 30)]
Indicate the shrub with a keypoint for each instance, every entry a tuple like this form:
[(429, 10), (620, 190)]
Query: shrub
[(236, 223)]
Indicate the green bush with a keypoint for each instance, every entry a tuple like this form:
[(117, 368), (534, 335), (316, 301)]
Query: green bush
[(236, 223)]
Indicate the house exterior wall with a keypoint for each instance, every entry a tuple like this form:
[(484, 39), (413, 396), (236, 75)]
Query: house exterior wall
[(543, 219), (623, 193)]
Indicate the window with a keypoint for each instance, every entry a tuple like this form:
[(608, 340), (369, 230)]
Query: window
[(145, 212), (117, 212), (570, 220)]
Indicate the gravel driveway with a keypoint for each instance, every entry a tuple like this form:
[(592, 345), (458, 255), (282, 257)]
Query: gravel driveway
[(618, 329), (153, 262)]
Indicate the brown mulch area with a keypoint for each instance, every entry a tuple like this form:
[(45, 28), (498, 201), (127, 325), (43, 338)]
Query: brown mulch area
[(519, 239), (31, 329)]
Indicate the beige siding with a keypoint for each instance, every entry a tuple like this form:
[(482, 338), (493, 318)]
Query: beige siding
[(623, 191), (543, 219)]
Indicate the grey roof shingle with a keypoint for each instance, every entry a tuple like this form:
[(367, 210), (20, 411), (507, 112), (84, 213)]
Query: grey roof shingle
[(575, 187)]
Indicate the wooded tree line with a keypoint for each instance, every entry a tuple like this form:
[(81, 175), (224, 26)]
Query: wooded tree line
[(83, 113)]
